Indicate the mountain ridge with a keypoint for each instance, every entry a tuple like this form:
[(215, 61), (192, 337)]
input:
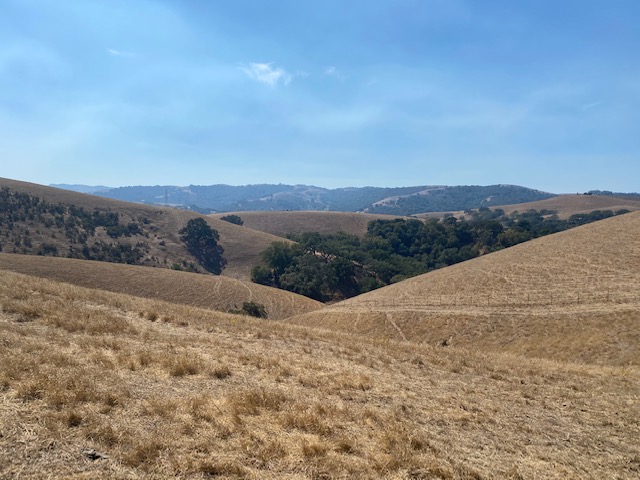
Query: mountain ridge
[(379, 200)]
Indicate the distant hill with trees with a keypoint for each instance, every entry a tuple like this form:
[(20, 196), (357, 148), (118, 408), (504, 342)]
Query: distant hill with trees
[(379, 200)]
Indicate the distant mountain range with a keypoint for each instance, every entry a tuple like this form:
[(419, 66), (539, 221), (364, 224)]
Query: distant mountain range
[(81, 188), (395, 201)]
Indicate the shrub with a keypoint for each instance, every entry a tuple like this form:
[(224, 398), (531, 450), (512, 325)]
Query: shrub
[(254, 309), (235, 219)]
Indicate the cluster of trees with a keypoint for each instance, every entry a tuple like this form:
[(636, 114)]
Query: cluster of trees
[(116, 252), (337, 266), (31, 225), (235, 219)]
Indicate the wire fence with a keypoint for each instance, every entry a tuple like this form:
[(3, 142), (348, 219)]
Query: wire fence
[(519, 299)]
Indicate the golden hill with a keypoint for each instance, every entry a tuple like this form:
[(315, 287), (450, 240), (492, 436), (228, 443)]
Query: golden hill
[(565, 205), (94, 387), (570, 296), (283, 223), (242, 246), (205, 291)]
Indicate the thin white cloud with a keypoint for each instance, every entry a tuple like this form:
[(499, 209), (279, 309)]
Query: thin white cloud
[(333, 71), (267, 74), (589, 106), (119, 53)]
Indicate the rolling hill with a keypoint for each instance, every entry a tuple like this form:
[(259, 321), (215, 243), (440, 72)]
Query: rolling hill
[(565, 205), (282, 223), (93, 387), (197, 290), (571, 296), (159, 230)]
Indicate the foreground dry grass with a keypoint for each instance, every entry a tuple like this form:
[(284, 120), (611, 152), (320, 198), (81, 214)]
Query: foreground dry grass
[(570, 296), (283, 223), (96, 384), (197, 290)]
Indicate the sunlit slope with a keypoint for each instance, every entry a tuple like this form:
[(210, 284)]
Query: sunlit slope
[(282, 223), (198, 290), (242, 246), (95, 386), (567, 205), (572, 296), (564, 205)]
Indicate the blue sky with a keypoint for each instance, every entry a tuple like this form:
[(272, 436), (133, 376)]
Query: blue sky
[(538, 93)]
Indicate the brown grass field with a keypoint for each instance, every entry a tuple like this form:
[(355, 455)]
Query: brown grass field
[(282, 223), (242, 246), (197, 290), (565, 205), (102, 385), (571, 296)]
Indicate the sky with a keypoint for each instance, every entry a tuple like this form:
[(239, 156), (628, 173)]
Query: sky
[(539, 93)]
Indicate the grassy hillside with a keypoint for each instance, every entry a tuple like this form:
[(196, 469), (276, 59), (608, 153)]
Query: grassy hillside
[(92, 388), (160, 227), (205, 291), (570, 296), (565, 205), (282, 223)]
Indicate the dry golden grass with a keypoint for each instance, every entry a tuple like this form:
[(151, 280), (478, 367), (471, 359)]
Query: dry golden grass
[(242, 245), (92, 387), (205, 291), (570, 296), (565, 205), (283, 223)]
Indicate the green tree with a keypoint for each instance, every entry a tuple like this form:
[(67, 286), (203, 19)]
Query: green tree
[(202, 242), (235, 219), (279, 256), (254, 309)]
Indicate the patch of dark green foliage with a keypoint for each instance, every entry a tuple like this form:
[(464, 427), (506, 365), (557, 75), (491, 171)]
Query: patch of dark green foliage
[(235, 219), (23, 215), (253, 309), (338, 266), (202, 242)]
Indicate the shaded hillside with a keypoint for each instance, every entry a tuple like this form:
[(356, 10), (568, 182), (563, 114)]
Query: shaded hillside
[(225, 198), (158, 232), (205, 291), (385, 200), (442, 199), (92, 388), (294, 223), (574, 296)]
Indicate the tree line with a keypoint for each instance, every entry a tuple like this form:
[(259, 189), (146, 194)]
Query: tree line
[(337, 266)]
